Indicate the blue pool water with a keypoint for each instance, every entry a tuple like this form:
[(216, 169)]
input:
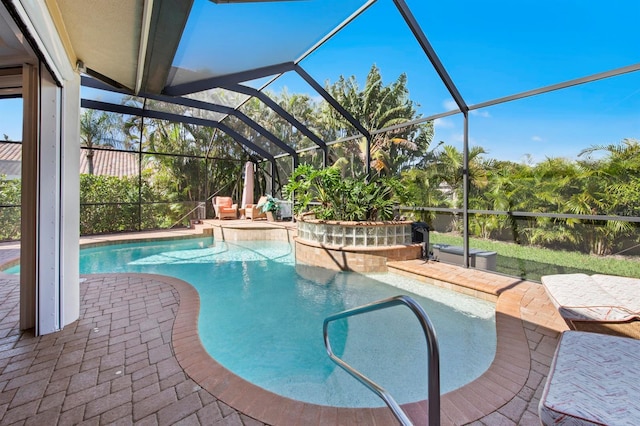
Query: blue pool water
[(261, 317)]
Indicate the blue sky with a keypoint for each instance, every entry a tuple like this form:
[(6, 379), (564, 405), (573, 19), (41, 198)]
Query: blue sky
[(490, 49), (11, 119)]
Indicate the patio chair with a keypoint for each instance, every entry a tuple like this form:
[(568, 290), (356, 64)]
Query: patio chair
[(253, 212), (598, 303), (594, 379), (224, 208)]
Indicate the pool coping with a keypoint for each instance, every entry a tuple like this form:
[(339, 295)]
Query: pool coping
[(502, 381)]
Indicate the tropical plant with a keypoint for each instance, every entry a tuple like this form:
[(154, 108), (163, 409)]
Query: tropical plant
[(108, 204), (448, 170), (95, 126), (420, 189), (377, 106), (10, 199), (330, 197), (621, 170), (270, 205)]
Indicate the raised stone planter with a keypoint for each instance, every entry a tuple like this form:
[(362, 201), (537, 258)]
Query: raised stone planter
[(354, 246)]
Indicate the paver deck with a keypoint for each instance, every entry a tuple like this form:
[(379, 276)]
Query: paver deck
[(134, 357)]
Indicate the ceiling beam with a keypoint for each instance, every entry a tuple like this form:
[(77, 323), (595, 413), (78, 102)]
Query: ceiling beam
[(144, 41), (250, 91), (168, 20), (332, 101), (194, 103), (129, 110), (431, 53), (220, 81)]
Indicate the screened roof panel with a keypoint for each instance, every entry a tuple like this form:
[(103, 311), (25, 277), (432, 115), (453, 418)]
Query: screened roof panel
[(258, 83), (111, 97), (394, 52), (222, 39), (218, 96), (184, 110), (252, 135), (491, 51)]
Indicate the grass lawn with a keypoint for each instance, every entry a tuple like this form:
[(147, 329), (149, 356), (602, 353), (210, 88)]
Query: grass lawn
[(533, 262)]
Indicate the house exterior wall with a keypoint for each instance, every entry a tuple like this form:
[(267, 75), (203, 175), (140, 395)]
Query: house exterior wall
[(50, 247)]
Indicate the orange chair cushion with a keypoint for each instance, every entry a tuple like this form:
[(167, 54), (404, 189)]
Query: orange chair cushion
[(224, 202)]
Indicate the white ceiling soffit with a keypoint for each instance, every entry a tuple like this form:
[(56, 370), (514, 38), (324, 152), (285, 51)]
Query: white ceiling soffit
[(105, 35), (10, 82)]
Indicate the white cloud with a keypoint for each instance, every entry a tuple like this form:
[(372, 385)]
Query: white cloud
[(443, 123), (536, 138), (450, 105), (456, 138)]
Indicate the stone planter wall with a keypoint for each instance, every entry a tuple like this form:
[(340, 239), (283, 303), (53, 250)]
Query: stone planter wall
[(357, 234), (354, 246)]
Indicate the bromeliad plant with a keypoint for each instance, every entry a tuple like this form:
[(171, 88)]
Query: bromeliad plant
[(271, 205), (329, 196)]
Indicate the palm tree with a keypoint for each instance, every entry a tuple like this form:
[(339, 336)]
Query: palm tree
[(422, 190), (376, 107), (621, 169), (448, 170), (611, 186), (94, 128)]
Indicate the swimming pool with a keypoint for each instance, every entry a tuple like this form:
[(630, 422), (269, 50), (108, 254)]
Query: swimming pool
[(261, 317)]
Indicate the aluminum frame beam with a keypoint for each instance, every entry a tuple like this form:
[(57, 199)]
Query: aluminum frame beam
[(421, 38), (411, 21), (558, 86), (219, 81), (168, 20), (332, 101), (97, 84), (250, 91), (124, 109), (341, 110), (194, 103)]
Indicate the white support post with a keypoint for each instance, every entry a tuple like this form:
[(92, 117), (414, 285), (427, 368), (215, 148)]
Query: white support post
[(48, 206)]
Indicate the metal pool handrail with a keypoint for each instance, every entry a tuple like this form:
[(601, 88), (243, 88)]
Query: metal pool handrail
[(432, 348)]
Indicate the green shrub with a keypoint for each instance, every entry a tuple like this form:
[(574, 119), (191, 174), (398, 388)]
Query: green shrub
[(341, 198), (10, 200)]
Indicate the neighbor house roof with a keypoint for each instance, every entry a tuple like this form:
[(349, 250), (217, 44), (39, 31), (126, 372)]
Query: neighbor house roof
[(105, 162)]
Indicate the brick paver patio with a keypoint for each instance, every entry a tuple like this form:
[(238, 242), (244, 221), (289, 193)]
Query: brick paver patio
[(114, 365)]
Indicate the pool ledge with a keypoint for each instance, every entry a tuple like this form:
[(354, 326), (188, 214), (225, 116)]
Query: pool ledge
[(500, 384)]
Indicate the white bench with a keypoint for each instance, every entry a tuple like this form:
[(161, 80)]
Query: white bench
[(594, 379)]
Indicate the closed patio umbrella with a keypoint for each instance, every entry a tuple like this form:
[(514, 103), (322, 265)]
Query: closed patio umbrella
[(247, 189)]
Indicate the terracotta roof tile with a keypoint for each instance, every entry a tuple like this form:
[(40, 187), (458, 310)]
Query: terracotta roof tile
[(105, 162)]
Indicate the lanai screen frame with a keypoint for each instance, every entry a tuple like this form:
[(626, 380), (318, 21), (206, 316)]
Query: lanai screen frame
[(234, 82)]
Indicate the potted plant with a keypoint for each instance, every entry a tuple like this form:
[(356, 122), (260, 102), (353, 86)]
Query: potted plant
[(270, 207)]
